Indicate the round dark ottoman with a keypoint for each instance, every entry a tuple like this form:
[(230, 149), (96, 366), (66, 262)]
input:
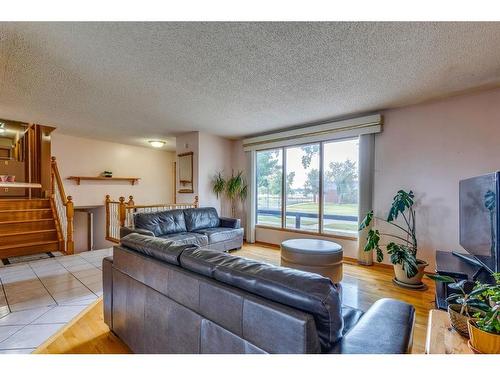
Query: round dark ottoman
[(318, 256)]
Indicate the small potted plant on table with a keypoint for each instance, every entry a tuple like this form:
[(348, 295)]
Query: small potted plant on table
[(464, 303), (484, 330), (403, 254)]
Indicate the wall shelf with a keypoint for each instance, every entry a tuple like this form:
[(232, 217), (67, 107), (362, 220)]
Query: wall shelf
[(78, 179)]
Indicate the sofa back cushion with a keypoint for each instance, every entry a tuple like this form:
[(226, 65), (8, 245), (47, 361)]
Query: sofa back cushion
[(161, 223), (305, 291), (158, 248), (201, 218)]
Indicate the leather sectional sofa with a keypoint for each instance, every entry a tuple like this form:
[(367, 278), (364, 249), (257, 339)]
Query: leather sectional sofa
[(165, 298), (196, 226)]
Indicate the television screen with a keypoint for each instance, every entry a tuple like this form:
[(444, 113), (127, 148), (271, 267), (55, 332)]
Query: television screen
[(478, 218)]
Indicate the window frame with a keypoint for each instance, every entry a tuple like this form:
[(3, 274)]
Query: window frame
[(284, 228)]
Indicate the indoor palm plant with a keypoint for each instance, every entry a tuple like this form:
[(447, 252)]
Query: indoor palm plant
[(234, 188), (484, 330), (403, 254)]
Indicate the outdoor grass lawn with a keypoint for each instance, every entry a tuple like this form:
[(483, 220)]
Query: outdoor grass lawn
[(306, 224), (311, 223), (330, 208)]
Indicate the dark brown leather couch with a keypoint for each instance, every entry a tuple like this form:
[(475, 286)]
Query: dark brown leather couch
[(163, 298), (196, 226)]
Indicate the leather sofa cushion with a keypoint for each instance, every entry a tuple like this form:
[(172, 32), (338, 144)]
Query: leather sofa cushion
[(187, 238), (220, 234), (162, 222), (155, 247), (305, 291), (201, 218), (351, 317)]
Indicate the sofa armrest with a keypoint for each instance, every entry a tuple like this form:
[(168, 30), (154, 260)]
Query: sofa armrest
[(386, 328), (228, 222), (107, 290), (124, 231)]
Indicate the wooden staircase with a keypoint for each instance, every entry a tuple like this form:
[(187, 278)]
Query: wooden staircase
[(29, 226)]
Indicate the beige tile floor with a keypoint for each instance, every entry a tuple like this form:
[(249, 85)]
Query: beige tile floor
[(39, 297)]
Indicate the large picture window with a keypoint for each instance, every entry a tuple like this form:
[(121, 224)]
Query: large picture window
[(302, 187), (269, 187), (340, 186), (311, 187)]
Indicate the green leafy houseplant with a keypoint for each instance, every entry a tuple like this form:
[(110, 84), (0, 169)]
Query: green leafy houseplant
[(234, 188), (484, 329), (470, 302), (404, 252), (488, 319)]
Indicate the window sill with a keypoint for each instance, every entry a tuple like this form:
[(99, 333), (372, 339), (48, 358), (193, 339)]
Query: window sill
[(330, 235)]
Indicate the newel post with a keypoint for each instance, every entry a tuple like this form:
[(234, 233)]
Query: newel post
[(122, 211), (70, 213), (130, 202)]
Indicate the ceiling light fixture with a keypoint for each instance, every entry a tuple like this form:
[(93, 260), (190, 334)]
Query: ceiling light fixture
[(157, 144), (2, 127)]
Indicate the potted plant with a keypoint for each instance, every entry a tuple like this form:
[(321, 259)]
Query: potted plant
[(484, 330), (403, 254), (464, 303), (235, 188)]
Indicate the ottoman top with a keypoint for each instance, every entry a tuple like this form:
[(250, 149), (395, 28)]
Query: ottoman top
[(311, 246)]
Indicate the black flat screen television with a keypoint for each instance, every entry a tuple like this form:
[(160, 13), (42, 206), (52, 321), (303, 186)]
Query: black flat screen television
[(479, 220)]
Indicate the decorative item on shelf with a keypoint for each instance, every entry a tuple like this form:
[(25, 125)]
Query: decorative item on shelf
[(484, 329), (463, 303), (407, 268), (79, 179), (234, 188), (107, 174), (7, 178)]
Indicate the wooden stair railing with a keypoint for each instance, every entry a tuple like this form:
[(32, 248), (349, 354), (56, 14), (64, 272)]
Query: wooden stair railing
[(121, 213), (62, 206)]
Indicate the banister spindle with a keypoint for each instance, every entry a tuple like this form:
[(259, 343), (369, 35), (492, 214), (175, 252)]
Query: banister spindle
[(70, 245)]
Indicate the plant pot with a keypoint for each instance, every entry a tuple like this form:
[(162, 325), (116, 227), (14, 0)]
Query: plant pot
[(458, 321), (482, 341), (415, 280)]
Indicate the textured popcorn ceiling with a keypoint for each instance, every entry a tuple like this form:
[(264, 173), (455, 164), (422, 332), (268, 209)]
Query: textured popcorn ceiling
[(130, 82)]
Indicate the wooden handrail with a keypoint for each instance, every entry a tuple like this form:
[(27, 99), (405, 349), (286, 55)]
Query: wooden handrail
[(57, 177), (67, 202)]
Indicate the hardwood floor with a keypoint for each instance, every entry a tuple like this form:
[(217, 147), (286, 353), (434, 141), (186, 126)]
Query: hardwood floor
[(86, 334), (362, 286)]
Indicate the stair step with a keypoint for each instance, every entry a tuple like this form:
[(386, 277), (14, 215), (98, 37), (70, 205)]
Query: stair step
[(8, 239), (27, 232), (26, 225), (25, 214), (24, 203), (23, 221), (28, 248), (25, 210)]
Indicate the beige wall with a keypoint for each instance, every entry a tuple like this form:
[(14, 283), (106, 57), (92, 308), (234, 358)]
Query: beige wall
[(430, 147), (427, 148), (215, 156), (211, 155), (89, 157)]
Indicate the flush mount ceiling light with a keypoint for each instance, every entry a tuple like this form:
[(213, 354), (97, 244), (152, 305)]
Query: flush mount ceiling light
[(157, 144), (2, 127)]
